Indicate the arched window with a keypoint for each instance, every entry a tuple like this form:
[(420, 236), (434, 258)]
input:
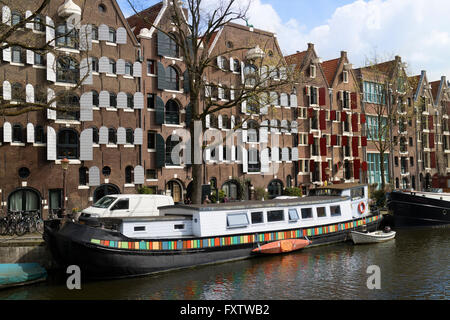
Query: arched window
[(176, 190), (83, 176), (112, 35), (16, 55), (172, 112), (39, 136), (66, 36), (171, 142), (68, 106), (250, 73), (172, 79), (231, 190), (24, 199), (254, 164), (172, 47), (252, 131), (129, 174), (112, 136), (289, 181), (17, 133), (17, 92), (226, 122), (129, 136), (275, 188), (67, 70), (67, 145)]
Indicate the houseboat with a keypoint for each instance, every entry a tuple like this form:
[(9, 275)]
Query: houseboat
[(419, 209), (191, 235)]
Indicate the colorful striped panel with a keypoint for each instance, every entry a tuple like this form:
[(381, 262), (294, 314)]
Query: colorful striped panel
[(232, 240)]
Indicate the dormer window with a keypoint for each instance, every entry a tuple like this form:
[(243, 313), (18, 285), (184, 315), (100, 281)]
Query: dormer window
[(312, 71), (345, 76)]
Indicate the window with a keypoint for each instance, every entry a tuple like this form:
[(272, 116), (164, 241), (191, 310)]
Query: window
[(293, 215), (39, 136), (151, 174), (253, 161), (172, 114), (345, 76), (67, 70), (95, 98), (122, 204), (83, 176), (150, 67), (16, 55), (312, 71), (67, 145), (172, 47), (252, 131), (101, 8), (16, 18), (112, 67), (321, 212), (172, 79), (112, 100), (94, 65), (129, 174), (237, 220), (17, 133), (275, 188), (374, 93), (151, 139), (112, 35), (94, 33), (69, 107), (129, 136), (24, 172), (150, 101), (95, 136), (39, 23), (357, 193), (112, 136), (140, 228), (17, 92), (106, 171), (66, 36), (257, 217), (39, 59), (128, 68), (335, 211), (130, 101), (306, 213), (24, 199), (276, 215), (313, 100), (171, 142)]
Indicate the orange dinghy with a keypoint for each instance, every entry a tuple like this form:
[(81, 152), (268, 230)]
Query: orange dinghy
[(281, 246)]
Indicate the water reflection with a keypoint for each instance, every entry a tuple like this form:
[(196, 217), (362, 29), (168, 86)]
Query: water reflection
[(413, 266)]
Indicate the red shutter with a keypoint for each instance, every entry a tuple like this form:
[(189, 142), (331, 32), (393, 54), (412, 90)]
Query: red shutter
[(343, 116), (356, 166), (364, 166), (322, 96), (322, 120), (312, 165), (323, 146), (310, 139), (310, 112), (433, 160), (363, 118), (355, 122), (333, 139), (324, 168), (355, 146), (431, 140), (430, 123), (363, 141), (333, 115), (344, 141), (354, 103)]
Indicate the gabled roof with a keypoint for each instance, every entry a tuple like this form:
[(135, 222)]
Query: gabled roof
[(137, 21), (330, 68), (296, 58), (435, 85)]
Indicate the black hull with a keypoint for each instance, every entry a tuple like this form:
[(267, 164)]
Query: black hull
[(411, 210), (71, 246)]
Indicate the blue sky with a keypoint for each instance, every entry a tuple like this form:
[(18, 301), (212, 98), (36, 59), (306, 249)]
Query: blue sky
[(417, 30)]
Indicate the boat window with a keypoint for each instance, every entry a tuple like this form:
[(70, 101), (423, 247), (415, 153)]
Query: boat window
[(178, 226), (306, 213), (141, 228), (122, 204), (321, 212), (293, 215), (325, 192), (257, 217), (277, 215), (357, 193), (104, 202), (335, 211), (237, 220)]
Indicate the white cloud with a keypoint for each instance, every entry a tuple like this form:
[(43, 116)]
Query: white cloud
[(414, 29)]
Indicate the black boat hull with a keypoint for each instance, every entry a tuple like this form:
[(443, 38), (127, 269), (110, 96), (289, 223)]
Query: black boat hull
[(410, 210), (72, 245)]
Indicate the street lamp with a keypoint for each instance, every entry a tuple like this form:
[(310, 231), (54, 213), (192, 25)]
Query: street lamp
[(64, 166)]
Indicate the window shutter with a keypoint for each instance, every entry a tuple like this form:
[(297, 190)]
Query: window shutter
[(6, 15), (121, 136), (139, 175), (219, 122), (51, 143), (244, 132), (7, 54), (284, 100), (285, 154), (219, 150), (353, 97), (103, 99), (231, 64), (363, 118), (355, 122), (275, 154), (431, 140), (86, 104), (49, 31), (121, 36), (294, 127), (103, 135), (103, 32), (7, 93), (30, 133), (356, 167), (242, 72), (308, 91), (363, 141), (322, 120), (138, 100), (159, 111), (160, 151), (85, 38), (161, 77), (322, 96), (265, 160), (7, 132), (294, 154), (244, 160), (294, 103), (333, 140), (86, 142), (244, 106), (120, 66), (263, 132), (122, 100), (138, 137), (232, 94), (343, 116), (29, 93), (103, 65), (30, 57), (186, 83), (51, 114), (207, 121), (324, 174), (310, 139), (94, 177), (137, 69), (433, 160), (188, 115), (355, 145), (284, 126), (430, 122), (51, 67), (86, 71), (163, 44), (344, 141)]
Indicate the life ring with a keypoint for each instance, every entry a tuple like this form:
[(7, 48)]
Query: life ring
[(361, 207)]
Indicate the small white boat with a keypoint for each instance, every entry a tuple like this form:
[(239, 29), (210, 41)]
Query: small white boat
[(371, 237)]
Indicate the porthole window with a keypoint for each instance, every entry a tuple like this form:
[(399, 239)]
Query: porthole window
[(229, 44), (24, 172), (106, 171), (102, 8)]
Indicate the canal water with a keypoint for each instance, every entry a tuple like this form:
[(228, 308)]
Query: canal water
[(416, 265)]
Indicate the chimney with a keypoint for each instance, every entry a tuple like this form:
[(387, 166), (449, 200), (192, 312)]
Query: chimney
[(398, 58), (343, 54), (311, 46)]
